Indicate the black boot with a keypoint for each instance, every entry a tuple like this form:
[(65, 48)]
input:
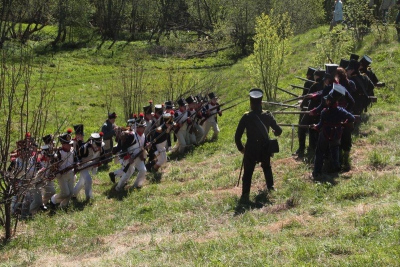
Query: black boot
[(112, 177)]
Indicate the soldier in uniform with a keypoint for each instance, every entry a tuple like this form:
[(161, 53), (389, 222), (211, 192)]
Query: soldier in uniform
[(148, 117), (365, 63), (135, 145), (66, 179), (89, 152), (210, 112), (181, 116), (256, 123), (168, 107), (48, 161), (302, 132), (108, 129), (364, 87), (314, 101), (330, 132)]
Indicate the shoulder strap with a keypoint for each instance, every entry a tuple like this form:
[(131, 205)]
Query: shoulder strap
[(261, 126)]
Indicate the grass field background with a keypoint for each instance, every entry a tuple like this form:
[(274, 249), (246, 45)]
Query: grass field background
[(192, 217)]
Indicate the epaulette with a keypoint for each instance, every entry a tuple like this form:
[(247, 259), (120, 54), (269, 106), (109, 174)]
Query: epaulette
[(266, 111), (246, 113)]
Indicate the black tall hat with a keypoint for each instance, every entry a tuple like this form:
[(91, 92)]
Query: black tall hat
[(310, 71), (344, 63), (158, 109), (353, 65), (256, 95), (190, 100), (330, 71), (78, 129), (211, 95), (181, 102), (48, 139), (354, 56), (319, 73), (147, 109), (365, 60), (65, 138), (168, 105)]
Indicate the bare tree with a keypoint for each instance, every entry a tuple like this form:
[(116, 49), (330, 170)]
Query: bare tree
[(15, 89)]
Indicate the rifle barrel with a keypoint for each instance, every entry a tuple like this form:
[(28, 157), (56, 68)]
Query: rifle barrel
[(304, 79), (283, 90), (279, 104), (299, 87)]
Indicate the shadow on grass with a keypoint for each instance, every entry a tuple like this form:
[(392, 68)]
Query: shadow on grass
[(261, 200), (118, 195), (327, 178)]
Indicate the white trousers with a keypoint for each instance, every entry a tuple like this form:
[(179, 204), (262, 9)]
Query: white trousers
[(140, 166), (207, 126), (85, 180), (162, 153), (66, 183)]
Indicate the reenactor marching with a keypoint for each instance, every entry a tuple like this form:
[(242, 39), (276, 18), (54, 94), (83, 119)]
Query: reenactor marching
[(210, 112)]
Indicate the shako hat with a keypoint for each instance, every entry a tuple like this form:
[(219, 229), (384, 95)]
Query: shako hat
[(78, 129), (330, 71), (336, 93), (319, 72), (168, 105), (256, 95), (47, 139), (181, 102), (141, 123), (211, 95), (158, 109), (97, 138), (147, 109), (65, 138), (190, 100), (344, 63), (354, 56), (353, 65), (310, 71), (365, 60)]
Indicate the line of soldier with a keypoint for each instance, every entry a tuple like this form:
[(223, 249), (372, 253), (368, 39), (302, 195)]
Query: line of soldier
[(330, 95), (149, 136), (35, 169)]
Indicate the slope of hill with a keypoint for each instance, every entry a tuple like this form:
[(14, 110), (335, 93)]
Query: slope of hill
[(192, 216)]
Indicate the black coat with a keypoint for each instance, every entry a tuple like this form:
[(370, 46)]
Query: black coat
[(255, 138)]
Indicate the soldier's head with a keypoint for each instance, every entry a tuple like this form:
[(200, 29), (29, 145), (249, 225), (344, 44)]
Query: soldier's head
[(365, 61), (140, 127), (182, 104), (330, 73), (191, 102), (96, 140), (66, 140), (112, 117), (310, 73), (352, 68), (212, 98), (148, 112), (256, 95), (78, 131)]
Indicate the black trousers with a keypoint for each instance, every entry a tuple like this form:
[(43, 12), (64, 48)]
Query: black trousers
[(249, 165)]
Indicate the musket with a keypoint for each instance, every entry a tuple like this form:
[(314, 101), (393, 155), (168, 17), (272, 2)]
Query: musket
[(293, 99), (304, 79), (283, 90), (294, 125), (300, 112), (279, 104), (299, 87), (203, 120)]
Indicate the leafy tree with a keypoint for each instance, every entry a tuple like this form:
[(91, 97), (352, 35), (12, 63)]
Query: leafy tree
[(333, 46), (359, 17), (304, 15), (271, 45)]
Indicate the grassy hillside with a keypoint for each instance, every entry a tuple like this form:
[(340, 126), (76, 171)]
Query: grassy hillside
[(191, 218)]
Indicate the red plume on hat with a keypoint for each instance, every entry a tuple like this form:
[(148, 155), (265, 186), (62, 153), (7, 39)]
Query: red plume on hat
[(28, 134), (141, 115), (69, 130), (172, 112), (135, 115), (101, 134)]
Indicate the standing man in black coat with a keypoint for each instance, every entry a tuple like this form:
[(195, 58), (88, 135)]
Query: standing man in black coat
[(257, 124)]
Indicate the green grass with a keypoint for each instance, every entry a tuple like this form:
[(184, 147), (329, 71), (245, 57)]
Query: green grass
[(191, 217)]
